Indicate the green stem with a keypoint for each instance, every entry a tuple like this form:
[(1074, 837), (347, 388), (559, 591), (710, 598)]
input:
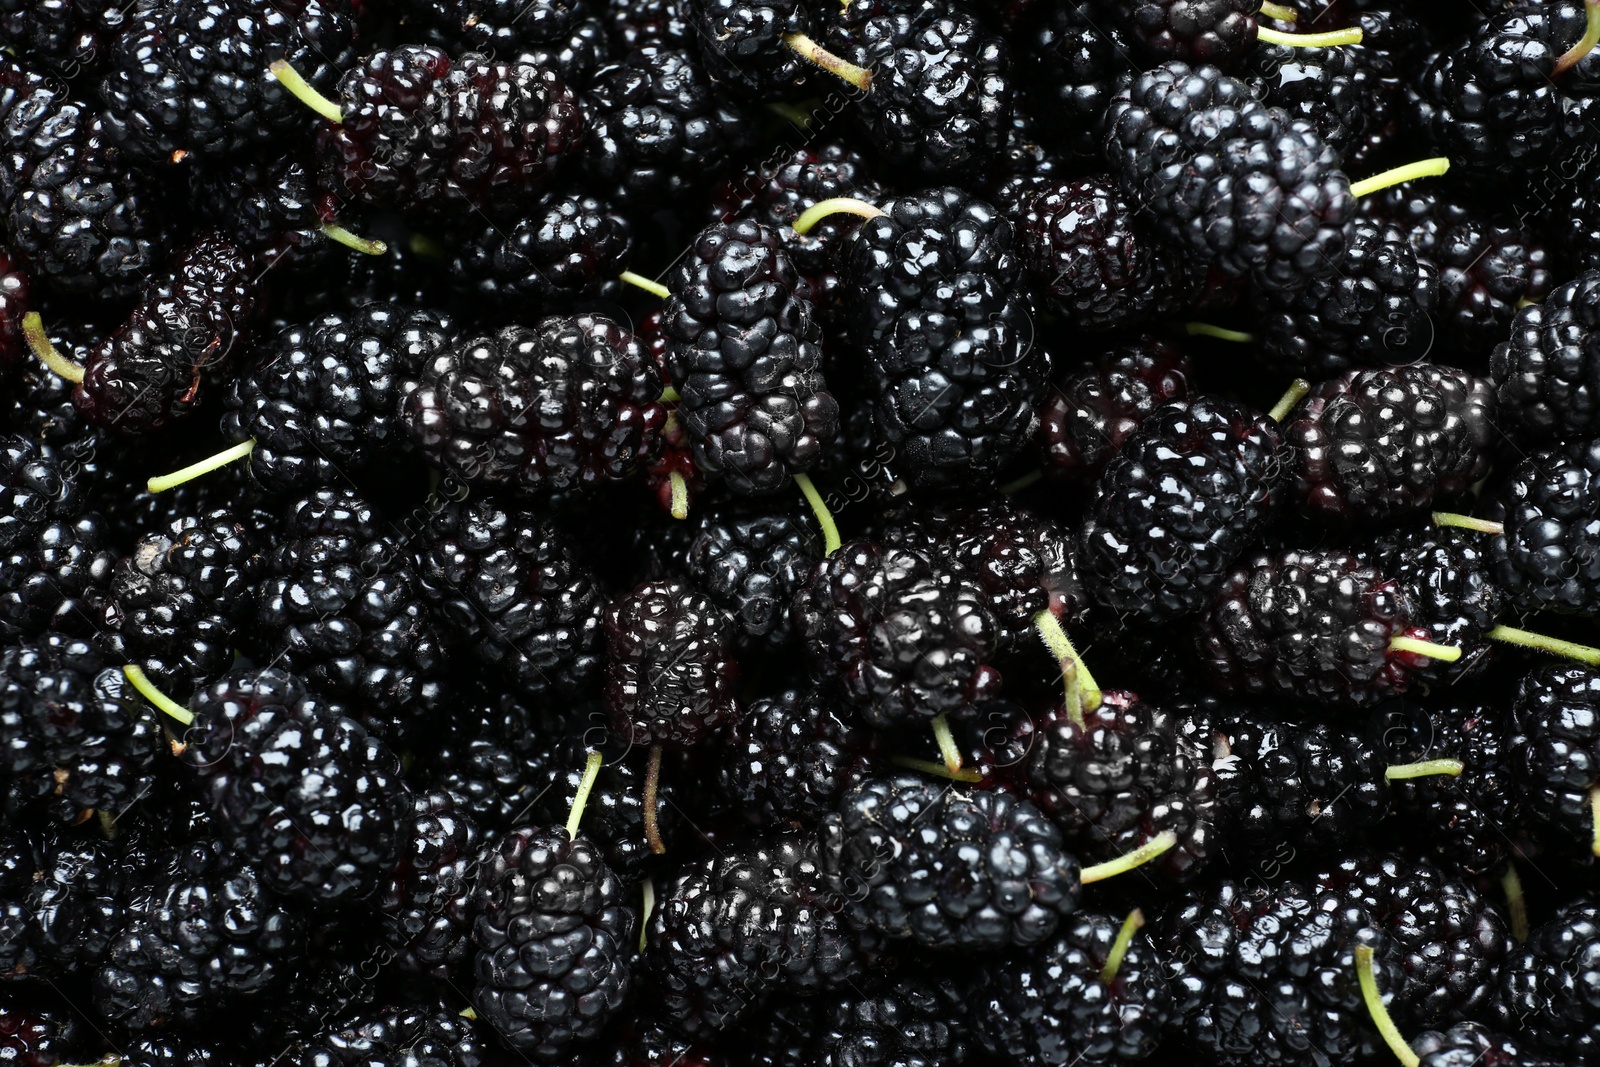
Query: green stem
[(591, 772), (1511, 635), (819, 508), (1591, 35), (1331, 39), (1516, 902), (836, 205), (1279, 12), (365, 245), (652, 785), (1423, 769), (1594, 819), (304, 92), (669, 395), (1221, 333), (1292, 396), (1422, 168), (1119, 947), (648, 906), (680, 495), (928, 766), (1056, 640), (1128, 861), (39, 344), (161, 483), (1379, 1013), (949, 751), (654, 288), (1467, 522), (147, 689), (1418, 647), (814, 53)]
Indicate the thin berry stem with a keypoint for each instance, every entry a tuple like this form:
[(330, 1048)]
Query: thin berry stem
[(591, 774), (1056, 640), (1511, 635), (815, 54), (1279, 12), (1416, 646), (1292, 396), (1221, 333), (648, 892), (819, 508), (1379, 1013), (836, 205), (365, 245), (161, 483), (1119, 948), (1516, 902), (949, 751), (1129, 860), (928, 766), (1467, 522), (1591, 36), (1330, 39), (304, 91), (649, 285), (1427, 768), (1524, 302), (39, 344), (1072, 693), (652, 783), (147, 689), (680, 495), (1422, 168), (1594, 819)]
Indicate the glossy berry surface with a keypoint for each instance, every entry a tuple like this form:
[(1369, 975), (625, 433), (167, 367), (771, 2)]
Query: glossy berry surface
[(902, 640), (258, 737), (551, 933), (903, 840)]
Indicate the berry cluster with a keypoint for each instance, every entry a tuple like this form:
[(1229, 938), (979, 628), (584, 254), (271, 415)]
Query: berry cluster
[(772, 533)]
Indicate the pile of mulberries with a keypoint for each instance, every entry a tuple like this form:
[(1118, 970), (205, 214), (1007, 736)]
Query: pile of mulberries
[(768, 533)]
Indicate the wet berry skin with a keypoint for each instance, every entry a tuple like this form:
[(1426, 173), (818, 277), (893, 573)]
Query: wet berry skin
[(1547, 376), (1312, 626), (902, 640), (310, 792), (415, 131), (568, 403), (1236, 183), (1371, 445), (553, 933), (745, 353), (1188, 492), (1547, 555), (671, 672)]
